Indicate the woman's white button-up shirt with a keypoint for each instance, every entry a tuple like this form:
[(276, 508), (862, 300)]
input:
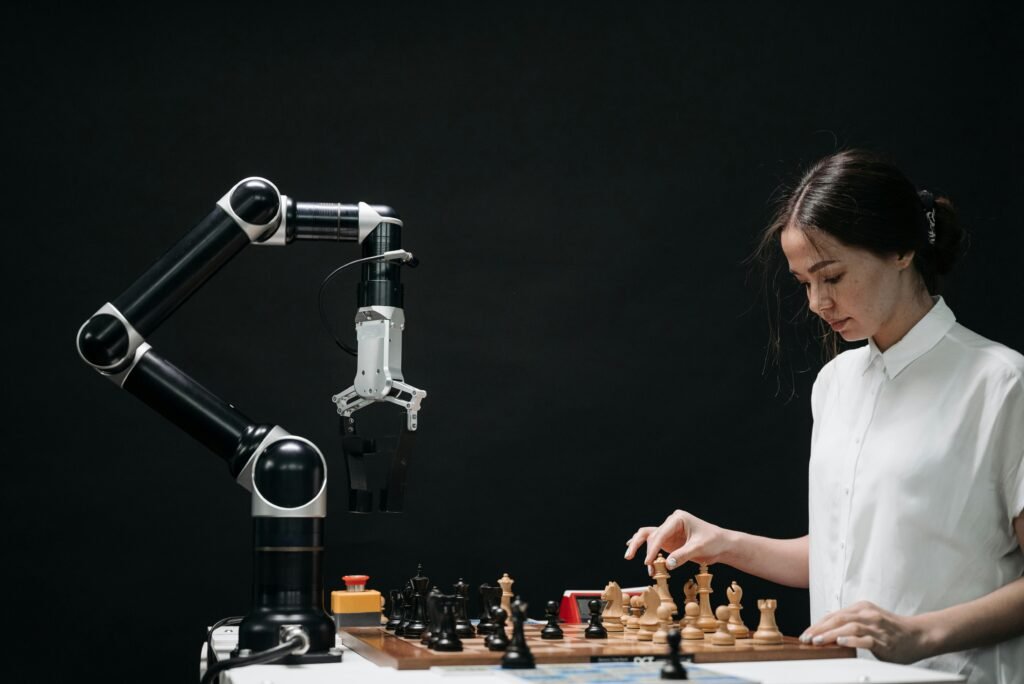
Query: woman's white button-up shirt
[(915, 478)]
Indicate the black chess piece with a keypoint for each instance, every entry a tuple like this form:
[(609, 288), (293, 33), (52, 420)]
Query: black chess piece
[(673, 667), (487, 625), (551, 630), (429, 635), (497, 640), (395, 618), (447, 639), (517, 655), (463, 627), (415, 628), (407, 594), (596, 628)]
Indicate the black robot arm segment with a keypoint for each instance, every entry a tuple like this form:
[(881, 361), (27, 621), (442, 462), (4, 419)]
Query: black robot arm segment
[(113, 342)]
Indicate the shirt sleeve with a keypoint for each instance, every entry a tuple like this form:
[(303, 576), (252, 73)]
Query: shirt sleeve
[(1012, 447)]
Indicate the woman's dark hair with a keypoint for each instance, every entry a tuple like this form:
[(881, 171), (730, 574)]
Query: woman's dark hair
[(861, 199)]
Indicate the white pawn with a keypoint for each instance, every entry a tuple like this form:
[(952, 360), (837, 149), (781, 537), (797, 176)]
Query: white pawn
[(691, 632), (664, 620), (722, 636), (636, 610)]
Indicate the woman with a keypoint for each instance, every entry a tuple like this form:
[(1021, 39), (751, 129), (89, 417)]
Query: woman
[(916, 487)]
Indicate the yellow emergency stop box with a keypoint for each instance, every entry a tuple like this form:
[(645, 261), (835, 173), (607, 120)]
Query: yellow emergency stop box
[(356, 606)]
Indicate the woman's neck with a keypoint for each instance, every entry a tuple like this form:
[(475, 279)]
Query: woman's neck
[(905, 318)]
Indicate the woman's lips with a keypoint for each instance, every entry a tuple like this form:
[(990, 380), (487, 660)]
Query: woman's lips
[(838, 324)]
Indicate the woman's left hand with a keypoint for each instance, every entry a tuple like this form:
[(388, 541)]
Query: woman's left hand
[(890, 637)]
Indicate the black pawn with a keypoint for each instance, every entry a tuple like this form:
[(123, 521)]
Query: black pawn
[(395, 618), (429, 635), (407, 596), (463, 627), (551, 630), (595, 630), (517, 655), (447, 640), (497, 640), (487, 625), (673, 668)]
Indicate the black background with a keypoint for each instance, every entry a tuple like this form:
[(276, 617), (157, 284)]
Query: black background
[(582, 185)]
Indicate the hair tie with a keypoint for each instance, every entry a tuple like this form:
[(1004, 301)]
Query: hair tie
[(928, 202)]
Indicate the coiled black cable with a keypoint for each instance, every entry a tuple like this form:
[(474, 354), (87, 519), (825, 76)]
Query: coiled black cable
[(295, 643)]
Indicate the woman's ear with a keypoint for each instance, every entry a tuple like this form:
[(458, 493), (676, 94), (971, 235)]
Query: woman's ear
[(904, 260)]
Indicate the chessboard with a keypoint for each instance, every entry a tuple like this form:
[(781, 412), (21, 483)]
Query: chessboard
[(385, 649)]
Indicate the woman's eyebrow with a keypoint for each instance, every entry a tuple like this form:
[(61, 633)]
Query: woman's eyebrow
[(817, 267)]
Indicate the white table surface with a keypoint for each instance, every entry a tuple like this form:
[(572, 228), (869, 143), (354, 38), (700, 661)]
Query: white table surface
[(354, 668)]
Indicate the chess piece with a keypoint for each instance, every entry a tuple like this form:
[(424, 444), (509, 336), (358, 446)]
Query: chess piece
[(418, 623), (517, 655), (736, 626), (463, 627), (497, 640), (407, 593), (551, 630), (383, 611), (690, 592), (691, 631), (648, 622), (664, 621), (722, 636), (706, 621), (489, 596), (506, 583), (673, 667), (767, 631), (661, 582), (635, 609), (626, 611), (433, 629), (595, 630), (611, 618), (447, 639), (395, 618)]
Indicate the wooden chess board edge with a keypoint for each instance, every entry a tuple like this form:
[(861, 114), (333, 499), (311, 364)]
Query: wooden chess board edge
[(386, 650), (790, 649)]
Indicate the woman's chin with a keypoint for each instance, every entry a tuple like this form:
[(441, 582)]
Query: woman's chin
[(852, 335)]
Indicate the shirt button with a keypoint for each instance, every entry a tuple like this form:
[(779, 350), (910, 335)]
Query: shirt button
[(856, 440), (846, 490)]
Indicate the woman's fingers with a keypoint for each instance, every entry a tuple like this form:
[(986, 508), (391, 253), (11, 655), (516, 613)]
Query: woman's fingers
[(850, 634), (681, 555), (638, 538)]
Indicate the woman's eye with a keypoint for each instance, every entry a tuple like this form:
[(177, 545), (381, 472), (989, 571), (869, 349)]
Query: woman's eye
[(834, 279)]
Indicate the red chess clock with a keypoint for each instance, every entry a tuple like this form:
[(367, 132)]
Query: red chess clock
[(574, 609)]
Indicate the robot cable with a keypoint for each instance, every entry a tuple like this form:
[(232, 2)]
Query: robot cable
[(298, 642), (393, 255)]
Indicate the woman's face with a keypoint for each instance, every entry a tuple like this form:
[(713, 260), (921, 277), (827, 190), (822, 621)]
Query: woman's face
[(859, 294)]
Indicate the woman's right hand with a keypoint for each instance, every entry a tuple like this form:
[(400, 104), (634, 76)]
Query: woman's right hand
[(684, 537)]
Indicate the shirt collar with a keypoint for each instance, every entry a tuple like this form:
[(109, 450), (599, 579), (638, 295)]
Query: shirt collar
[(919, 339)]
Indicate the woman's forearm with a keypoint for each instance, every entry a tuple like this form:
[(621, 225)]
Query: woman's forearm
[(783, 561), (984, 621)]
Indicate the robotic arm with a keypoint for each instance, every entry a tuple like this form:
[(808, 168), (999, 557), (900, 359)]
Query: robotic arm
[(286, 474)]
